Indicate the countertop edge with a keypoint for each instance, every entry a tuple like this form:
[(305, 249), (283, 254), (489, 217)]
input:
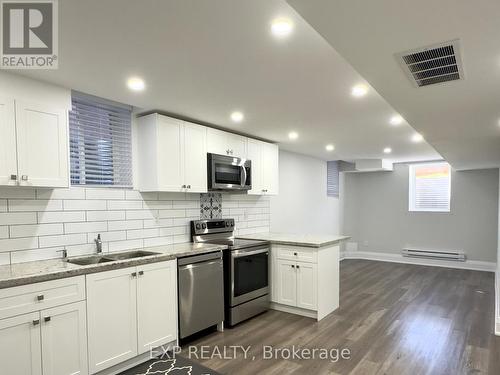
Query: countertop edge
[(96, 268), (300, 243)]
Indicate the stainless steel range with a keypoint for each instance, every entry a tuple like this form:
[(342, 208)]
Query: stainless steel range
[(246, 269)]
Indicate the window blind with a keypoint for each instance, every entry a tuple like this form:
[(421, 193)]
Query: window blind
[(430, 187), (332, 183), (100, 141)]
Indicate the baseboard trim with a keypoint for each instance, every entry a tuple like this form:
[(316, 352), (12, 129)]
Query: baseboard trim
[(398, 258), (294, 310)]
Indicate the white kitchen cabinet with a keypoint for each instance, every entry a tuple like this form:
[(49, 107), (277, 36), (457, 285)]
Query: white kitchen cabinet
[(20, 345), (172, 155), (129, 311), (42, 145), (307, 285), (286, 282), (33, 144), (265, 167), (112, 317), (195, 157), (64, 340), (305, 280), (225, 143), (8, 155), (156, 305)]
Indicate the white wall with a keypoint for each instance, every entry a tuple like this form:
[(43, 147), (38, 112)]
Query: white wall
[(302, 205), (376, 214)]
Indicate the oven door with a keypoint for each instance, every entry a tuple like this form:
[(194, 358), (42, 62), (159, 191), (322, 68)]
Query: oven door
[(228, 173), (249, 274)]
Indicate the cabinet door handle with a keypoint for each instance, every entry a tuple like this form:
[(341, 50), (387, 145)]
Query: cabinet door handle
[(24, 177), (141, 273), (46, 319), (134, 274), (189, 186), (293, 266), (295, 254), (36, 322), (183, 186), (13, 177), (40, 297), (298, 266)]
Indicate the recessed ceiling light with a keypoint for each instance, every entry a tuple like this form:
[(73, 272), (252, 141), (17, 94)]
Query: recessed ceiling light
[(396, 120), (417, 138), (293, 135), (330, 147), (359, 90), (281, 27), (237, 116), (136, 84), (387, 150)]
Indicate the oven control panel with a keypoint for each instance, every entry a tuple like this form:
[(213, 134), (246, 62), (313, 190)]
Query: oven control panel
[(208, 226)]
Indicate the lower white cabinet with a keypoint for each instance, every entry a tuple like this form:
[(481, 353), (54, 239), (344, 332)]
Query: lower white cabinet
[(296, 284), (20, 345), (64, 340), (129, 311), (305, 280), (48, 342)]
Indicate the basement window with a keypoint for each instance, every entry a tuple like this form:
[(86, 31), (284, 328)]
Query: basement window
[(100, 142), (430, 187)]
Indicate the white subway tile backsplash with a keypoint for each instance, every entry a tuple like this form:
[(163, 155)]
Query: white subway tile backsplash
[(35, 223), (13, 244), (35, 230), (34, 205), (125, 245), (104, 193), (142, 233), (63, 240), (17, 192), (125, 225), (72, 193), (96, 226), (4, 259), (38, 254), (105, 215), (60, 217), (84, 205), (125, 205), (11, 218)]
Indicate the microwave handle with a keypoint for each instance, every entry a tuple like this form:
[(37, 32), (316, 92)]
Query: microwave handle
[(243, 176)]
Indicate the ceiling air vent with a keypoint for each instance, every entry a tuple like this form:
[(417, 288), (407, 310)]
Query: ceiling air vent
[(433, 64)]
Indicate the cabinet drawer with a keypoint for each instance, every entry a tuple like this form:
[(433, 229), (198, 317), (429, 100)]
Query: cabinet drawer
[(27, 298), (299, 254)]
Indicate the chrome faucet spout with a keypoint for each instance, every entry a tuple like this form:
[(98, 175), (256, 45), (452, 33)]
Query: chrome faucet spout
[(98, 244)]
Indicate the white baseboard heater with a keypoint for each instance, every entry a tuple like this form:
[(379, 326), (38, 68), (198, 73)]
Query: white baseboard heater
[(458, 256)]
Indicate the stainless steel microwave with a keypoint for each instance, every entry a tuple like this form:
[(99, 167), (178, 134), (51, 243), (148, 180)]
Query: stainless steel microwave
[(229, 173)]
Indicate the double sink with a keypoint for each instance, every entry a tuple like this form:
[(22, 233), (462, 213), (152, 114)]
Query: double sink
[(104, 258)]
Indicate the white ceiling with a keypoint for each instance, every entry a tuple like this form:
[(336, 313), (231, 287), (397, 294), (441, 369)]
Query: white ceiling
[(461, 118), (204, 59)]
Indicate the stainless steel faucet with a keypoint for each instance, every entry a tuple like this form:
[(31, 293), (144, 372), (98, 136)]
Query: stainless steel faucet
[(98, 244)]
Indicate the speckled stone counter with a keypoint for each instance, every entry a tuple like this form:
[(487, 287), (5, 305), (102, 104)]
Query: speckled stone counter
[(44, 270), (305, 240)]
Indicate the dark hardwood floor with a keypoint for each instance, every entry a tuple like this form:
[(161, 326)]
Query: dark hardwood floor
[(394, 319)]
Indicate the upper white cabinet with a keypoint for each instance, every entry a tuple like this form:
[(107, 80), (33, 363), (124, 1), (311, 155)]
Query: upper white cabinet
[(224, 143), (8, 157), (172, 155), (34, 144), (265, 167)]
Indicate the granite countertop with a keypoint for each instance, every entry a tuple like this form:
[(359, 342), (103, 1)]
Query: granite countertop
[(44, 270), (306, 240)]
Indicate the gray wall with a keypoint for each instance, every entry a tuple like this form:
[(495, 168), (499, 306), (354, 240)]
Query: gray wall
[(302, 205), (376, 214)]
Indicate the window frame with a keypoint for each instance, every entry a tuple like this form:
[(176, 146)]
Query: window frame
[(412, 188)]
